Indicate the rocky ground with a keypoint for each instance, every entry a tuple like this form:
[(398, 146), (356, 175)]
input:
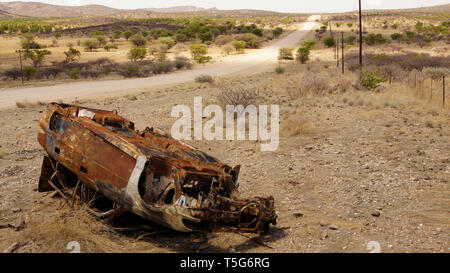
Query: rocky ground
[(365, 168)]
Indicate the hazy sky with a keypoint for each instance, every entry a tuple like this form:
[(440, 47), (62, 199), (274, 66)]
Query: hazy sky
[(306, 6)]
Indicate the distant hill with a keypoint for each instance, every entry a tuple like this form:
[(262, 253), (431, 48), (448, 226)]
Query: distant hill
[(179, 9), (36, 9), (7, 15)]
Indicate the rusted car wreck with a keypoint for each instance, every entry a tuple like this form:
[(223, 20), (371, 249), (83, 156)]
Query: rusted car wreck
[(95, 153)]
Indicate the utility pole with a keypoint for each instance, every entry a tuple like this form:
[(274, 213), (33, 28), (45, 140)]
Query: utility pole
[(360, 37), (342, 44), (21, 68)]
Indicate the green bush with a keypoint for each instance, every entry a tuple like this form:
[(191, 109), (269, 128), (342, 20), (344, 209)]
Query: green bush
[(27, 42), (396, 36), (373, 39), (329, 42), (72, 55), (75, 73), (28, 72), (198, 52), (167, 41), (239, 46), (280, 69), (285, 53), (138, 40), (310, 44), (250, 39), (277, 31), (303, 54), (205, 36), (372, 79), (350, 40), (127, 34), (90, 44), (204, 78), (161, 67), (137, 53)]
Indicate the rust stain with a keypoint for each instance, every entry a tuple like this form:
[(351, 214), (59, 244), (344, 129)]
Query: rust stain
[(146, 172)]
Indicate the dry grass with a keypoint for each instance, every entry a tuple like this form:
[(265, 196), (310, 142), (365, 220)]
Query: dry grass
[(26, 104), (296, 124)]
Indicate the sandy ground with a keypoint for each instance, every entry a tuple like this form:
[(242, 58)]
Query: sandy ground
[(254, 61), (369, 167)]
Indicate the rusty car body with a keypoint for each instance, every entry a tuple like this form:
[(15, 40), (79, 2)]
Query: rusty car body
[(148, 173)]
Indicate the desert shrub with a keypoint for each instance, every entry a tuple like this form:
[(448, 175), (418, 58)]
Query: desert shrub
[(238, 96), (129, 70), (349, 25), (101, 40), (227, 49), (436, 72), (239, 46), (350, 40), (277, 31), (250, 39), (314, 83), (92, 73), (167, 41), (329, 42), (75, 73), (13, 73), (372, 79), (47, 72), (90, 44), (137, 53), (182, 62), (205, 36), (198, 52), (204, 79), (303, 54), (138, 40), (223, 40), (285, 53), (410, 34), (117, 34), (374, 39), (72, 54), (36, 56), (280, 69), (110, 46), (161, 67), (396, 36), (310, 44), (127, 34)]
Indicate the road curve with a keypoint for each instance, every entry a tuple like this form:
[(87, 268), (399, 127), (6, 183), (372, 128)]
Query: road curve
[(249, 63)]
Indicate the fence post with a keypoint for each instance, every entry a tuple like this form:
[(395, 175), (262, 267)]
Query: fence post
[(342, 42), (443, 91)]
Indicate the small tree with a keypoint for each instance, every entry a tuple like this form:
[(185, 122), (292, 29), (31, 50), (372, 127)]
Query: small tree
[(90, 44), (127, 34), (205, 36), (57, 35), (72, 54), (303, 54), (286, 53), (36, 56), (138, 40), (239, 46), (329, 42), (137, 53)]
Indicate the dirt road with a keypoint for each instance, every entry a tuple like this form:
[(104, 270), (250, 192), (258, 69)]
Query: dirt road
[(255, 61)]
